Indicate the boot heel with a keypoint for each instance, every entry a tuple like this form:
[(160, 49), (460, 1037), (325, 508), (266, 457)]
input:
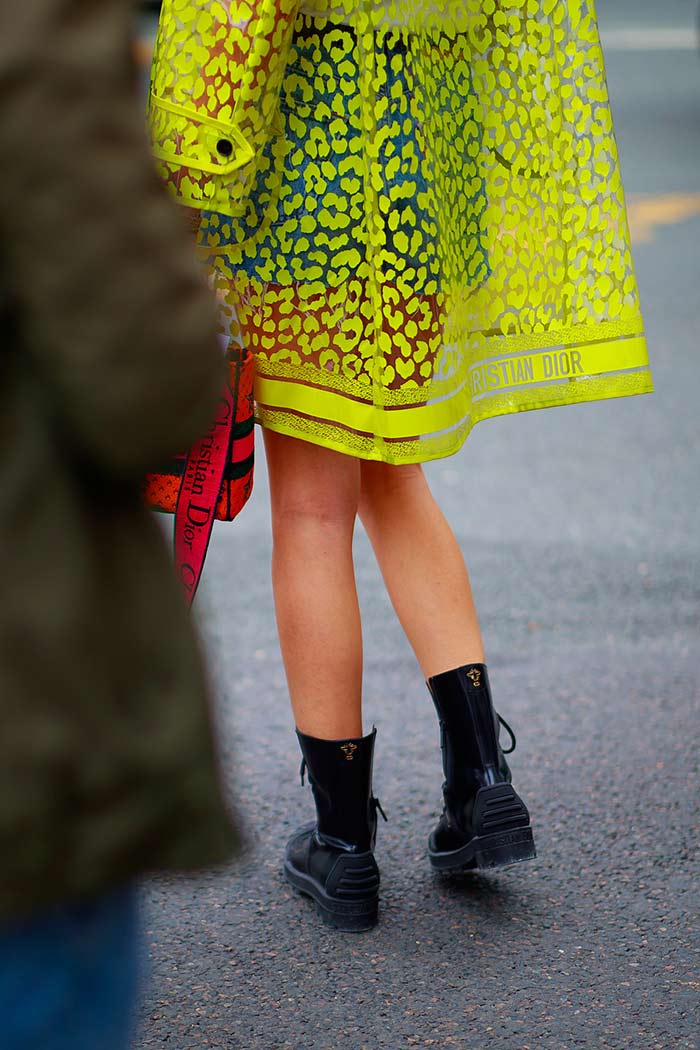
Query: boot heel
[(498, 808), (502, 825), (502, 834), (359, 918), (497, 851), (349, 901)]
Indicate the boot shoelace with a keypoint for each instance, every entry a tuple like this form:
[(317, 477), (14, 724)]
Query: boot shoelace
[(377, 807), (374, 802), (510, 733)]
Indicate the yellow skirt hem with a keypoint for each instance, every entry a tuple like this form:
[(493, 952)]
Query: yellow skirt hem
[(329, 435)]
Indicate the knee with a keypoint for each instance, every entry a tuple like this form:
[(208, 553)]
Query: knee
[(384, 483), (323, 509), (311, 487)]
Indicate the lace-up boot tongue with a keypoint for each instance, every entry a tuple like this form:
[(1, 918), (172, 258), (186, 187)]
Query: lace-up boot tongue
[(340, 774)]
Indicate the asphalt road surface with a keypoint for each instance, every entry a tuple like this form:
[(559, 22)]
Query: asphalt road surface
[(580, 526)]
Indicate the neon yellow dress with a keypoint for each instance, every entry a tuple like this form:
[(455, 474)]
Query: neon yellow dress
[(413, 209)]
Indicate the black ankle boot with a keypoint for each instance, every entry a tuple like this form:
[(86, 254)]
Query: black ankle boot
[(484, 824), (331, 860)]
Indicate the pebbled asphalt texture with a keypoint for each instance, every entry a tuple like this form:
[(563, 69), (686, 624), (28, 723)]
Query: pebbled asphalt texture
[(580, 527)]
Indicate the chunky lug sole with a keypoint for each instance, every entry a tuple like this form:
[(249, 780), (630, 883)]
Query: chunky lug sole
[(358, 884), (503, 834)]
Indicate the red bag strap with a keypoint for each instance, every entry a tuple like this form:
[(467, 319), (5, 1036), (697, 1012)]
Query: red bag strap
[(199, 494)]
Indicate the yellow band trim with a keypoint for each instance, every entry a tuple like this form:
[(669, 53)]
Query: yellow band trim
[(579, 362), (485, 378), (365, 418)]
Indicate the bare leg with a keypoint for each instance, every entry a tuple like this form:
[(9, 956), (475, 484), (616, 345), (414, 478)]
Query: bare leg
[(422, 566), (314, 494)]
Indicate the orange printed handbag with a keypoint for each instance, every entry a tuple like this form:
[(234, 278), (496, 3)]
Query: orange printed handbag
[(214, 479)]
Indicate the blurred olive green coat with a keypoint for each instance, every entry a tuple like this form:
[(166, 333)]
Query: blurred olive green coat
[(108, 362)]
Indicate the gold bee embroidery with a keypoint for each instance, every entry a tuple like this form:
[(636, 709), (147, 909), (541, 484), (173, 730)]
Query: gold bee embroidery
[(475, 676), (349, 751)]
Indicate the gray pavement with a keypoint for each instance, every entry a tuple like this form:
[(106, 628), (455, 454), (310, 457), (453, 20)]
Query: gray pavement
[(580, 527)]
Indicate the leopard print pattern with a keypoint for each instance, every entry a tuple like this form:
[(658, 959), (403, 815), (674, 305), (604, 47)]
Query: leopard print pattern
[(420, 221)]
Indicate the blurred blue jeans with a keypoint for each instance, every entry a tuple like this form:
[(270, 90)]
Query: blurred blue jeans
[(69, 977)]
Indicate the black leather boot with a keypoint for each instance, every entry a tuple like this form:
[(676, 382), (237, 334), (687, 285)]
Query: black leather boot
[(484, 824), (331, 860)]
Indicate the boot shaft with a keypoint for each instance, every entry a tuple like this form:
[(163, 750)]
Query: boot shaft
[(340, 774), (471, 753)]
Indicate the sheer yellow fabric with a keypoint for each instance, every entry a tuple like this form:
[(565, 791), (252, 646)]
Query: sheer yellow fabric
[(414, 210)]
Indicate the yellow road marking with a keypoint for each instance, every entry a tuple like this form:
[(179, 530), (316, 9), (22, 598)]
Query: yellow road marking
[(646, 214), (650, 38)]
